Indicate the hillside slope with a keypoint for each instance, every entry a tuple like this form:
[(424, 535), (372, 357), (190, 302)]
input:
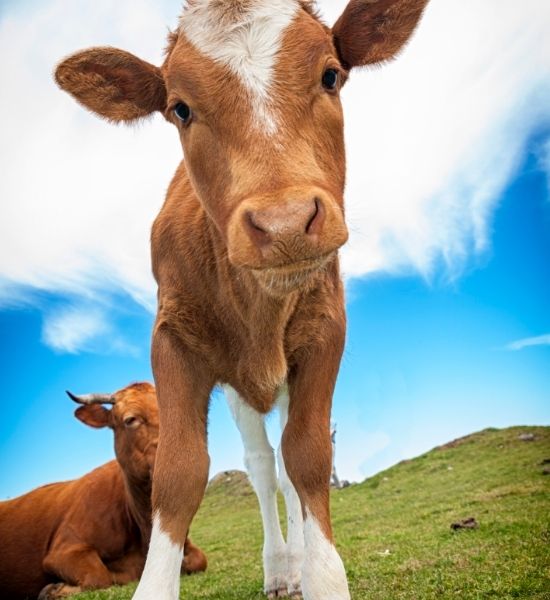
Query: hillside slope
[(393, 530)]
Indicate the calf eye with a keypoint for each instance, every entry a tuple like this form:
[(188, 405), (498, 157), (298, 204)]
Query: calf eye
[(130, 422), (182, 112), (330, 79)]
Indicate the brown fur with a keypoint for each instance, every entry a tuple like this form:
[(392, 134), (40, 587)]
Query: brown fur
[(92, 532), (374, 31), (249, 290), (121, 86)]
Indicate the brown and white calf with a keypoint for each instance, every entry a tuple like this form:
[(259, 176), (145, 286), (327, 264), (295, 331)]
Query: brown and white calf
[(94, 531), (245, 255)]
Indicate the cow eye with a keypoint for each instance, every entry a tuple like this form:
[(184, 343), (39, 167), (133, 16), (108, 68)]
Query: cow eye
[(330, 79), (182, 112), (131, 422)]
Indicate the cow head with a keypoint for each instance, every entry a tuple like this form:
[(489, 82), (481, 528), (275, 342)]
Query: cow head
[(253, 88), (134, 421)]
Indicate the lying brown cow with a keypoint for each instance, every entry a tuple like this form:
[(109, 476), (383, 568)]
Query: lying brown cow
[(92, 532)]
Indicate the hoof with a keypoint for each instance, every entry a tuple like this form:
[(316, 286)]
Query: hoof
[(54, 591), (284, 593), (50, 591), (295, 590), (280, 593)]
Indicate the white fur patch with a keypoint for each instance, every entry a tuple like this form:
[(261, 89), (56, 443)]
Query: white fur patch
[(295, 524), (247, 38), (161, 577), (324, 576), (260, 464)]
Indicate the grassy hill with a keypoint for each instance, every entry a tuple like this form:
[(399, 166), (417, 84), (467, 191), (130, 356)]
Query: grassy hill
[(393, 530)]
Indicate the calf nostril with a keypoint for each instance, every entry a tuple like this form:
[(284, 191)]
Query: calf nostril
[(249, 216), (314, 222), (313, 216), (258, 233)]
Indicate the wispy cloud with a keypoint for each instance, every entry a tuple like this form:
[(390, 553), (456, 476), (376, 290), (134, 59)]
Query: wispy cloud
[(539, 340), (356, 448), (78, 196), (436, 136), (544, 162), (432, 141), (87, 327), (73, 329)]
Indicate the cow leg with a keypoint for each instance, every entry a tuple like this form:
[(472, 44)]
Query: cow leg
[(77, 564), (128, 567), (295, 522), (181, 467), (307, 453), (260, 464), (194, 559)]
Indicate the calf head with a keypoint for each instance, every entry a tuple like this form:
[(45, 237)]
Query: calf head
[(253, 88), (134, 421)]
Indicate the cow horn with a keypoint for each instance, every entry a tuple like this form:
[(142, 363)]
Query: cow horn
[(91, 398)]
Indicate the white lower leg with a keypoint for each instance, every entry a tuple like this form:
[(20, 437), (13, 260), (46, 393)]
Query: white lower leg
[(295, 530), (295, 524), (261, 468), (161, 576), (323, 576), (260, 463)]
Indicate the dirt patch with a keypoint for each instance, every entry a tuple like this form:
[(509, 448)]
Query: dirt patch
[(469, 523)]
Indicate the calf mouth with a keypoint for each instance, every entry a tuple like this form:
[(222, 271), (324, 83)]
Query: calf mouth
[(285, 278)]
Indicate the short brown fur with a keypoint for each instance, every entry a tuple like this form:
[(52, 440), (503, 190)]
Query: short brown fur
[(249, 289)]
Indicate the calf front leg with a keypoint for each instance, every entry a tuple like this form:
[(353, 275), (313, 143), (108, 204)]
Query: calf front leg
[(295, 522), (260, 463), (181, 467), (307, 453)]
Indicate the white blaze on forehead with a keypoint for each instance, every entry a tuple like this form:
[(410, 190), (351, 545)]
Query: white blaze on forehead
[(246, 36)]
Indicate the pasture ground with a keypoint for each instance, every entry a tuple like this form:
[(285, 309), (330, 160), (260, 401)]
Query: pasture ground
[(393, 530)]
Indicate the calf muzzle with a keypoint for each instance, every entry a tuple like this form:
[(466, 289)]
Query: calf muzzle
[(291, 231)]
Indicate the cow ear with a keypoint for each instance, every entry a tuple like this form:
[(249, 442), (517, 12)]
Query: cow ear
[(93, 415), (112, 83), (374, 31)]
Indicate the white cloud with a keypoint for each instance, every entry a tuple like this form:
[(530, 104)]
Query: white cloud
[(78, 195), (85, 327), (544, 161), (432, 140), (356, 448), (434, 137), (73, 329), (539, 340)]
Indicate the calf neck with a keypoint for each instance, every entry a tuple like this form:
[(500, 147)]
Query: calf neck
[(245, 254)]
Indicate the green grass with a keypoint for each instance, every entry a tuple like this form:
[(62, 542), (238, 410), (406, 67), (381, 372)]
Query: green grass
[(393, 530)]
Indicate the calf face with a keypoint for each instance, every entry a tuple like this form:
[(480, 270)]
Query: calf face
[(134, 421), (253, 89), (268, 84)]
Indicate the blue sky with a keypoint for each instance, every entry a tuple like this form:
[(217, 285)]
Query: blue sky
[(448, 268)]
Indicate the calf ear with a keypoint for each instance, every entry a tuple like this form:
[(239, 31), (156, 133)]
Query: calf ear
[(112, 83), (93, 415), (373, 31)]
